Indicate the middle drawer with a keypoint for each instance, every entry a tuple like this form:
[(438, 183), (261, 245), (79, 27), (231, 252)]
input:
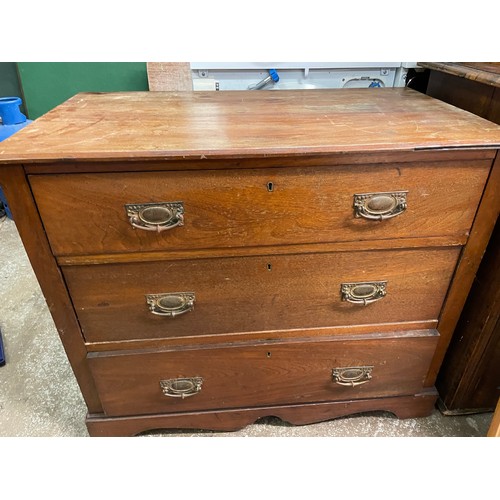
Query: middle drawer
[(213, 296)]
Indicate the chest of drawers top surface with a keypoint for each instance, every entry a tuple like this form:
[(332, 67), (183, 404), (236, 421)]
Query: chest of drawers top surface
[(238, 124)]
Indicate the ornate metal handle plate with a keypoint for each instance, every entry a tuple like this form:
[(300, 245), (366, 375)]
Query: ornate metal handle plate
[(363, 293), (379, 206), (156, 216), (181, 387), (352, 375), (170, 304)]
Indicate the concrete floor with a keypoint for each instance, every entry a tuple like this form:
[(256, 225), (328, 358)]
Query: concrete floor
[(39, 395)]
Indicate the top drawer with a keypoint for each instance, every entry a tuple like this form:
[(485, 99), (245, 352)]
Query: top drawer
[(86, 213)]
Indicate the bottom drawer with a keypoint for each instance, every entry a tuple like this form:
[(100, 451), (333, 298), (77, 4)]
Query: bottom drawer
[(267, 373)]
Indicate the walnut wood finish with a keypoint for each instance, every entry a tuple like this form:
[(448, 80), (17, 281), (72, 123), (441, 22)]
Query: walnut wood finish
[(494, 111), (69, 166), (419, 405), (268, 293), (478, 98), (237, 337), (230, 138), (468, 265), (469, 379), (271, 250), (84, 214), (264, 373), (238, 124), (487, 73)]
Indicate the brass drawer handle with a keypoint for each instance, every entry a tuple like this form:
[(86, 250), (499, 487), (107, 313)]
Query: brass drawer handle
[(379, 206), (170, 304), (352, 375), (181, 387), (363, 293), (156, 216)]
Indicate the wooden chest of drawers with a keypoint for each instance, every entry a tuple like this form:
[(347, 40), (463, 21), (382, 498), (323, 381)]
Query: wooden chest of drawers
[(211, 258)]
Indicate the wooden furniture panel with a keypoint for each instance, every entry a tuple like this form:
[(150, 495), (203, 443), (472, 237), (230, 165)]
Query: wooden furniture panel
[(467, 267), (263, 374), (477, 92), (169, 76), (414, 406), (267, 235), (14, 183), (494, 109), (469, 380), (269, 293), (227, 125), (85, 214), (472, 96)]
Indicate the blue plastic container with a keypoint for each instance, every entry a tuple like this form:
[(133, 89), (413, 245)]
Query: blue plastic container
[(12, 120), (2, 352)]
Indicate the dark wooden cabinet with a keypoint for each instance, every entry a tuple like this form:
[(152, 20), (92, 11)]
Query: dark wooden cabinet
[(210, 258), (474, 87), (470, 376), (469, 380)]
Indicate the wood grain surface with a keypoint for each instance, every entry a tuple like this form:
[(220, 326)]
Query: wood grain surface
[(183, 125), (85, 213), (165, 76), (261, 374), (304, 248), (469, 378), (205, 149), (418, 405), (312, 160), (468, 264), (483, 72), (251, 294), (476, 97), (352, 331)]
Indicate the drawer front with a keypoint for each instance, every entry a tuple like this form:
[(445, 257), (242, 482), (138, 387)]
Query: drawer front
[(133, 383), (252, 294), (86, 213)]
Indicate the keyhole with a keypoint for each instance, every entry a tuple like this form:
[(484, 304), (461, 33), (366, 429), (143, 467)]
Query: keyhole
[(268, 354), (270, 187), (269, 267)]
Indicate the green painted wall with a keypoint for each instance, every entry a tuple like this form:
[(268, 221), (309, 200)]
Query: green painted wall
[(46, 84), (9, 83)]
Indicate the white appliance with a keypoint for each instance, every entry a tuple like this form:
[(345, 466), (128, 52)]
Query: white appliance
[(298, 75)]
